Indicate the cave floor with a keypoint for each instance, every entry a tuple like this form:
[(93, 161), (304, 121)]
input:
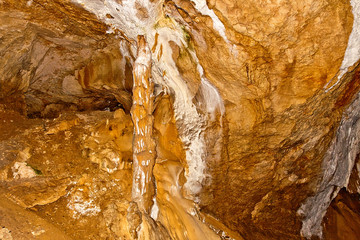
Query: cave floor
[(48, 183), (70, 178)]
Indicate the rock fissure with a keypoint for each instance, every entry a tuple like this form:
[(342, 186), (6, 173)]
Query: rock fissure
[(337, 165)]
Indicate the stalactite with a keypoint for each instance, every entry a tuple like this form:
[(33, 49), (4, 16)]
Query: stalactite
[(144, 154)]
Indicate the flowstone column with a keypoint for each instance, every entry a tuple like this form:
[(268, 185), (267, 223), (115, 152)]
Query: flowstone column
[(143, 189)]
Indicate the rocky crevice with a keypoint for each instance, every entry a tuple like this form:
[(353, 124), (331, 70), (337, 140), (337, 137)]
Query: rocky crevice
[(338, 164)]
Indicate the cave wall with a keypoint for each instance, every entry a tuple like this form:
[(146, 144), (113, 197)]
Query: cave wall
[(258, 89), (270, 63), (60, 60)]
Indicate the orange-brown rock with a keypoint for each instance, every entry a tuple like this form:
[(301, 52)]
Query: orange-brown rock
[(82, 189), (270, 71), (178, 215), (18, 223), (57, 53), (249, 137), (342, 218), (144, 149)]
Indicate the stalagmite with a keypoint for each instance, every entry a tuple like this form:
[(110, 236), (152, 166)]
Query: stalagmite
[(143, 143)]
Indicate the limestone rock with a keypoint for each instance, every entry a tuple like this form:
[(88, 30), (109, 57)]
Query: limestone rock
[(251, 114), (21, 170), (5, 234), (18, 223), (37, 191), (342, 219), (41, 55)]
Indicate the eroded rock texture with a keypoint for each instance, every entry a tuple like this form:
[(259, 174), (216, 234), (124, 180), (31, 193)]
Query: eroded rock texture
[(338, 164), (61, 58), (143, 142), (245, 117), (336, 221)]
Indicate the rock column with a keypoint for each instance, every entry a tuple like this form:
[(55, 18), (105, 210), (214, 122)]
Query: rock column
[(144, 154)]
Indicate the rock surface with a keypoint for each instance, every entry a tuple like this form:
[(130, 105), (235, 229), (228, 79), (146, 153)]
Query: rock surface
[(342, 218), (254, 110)]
